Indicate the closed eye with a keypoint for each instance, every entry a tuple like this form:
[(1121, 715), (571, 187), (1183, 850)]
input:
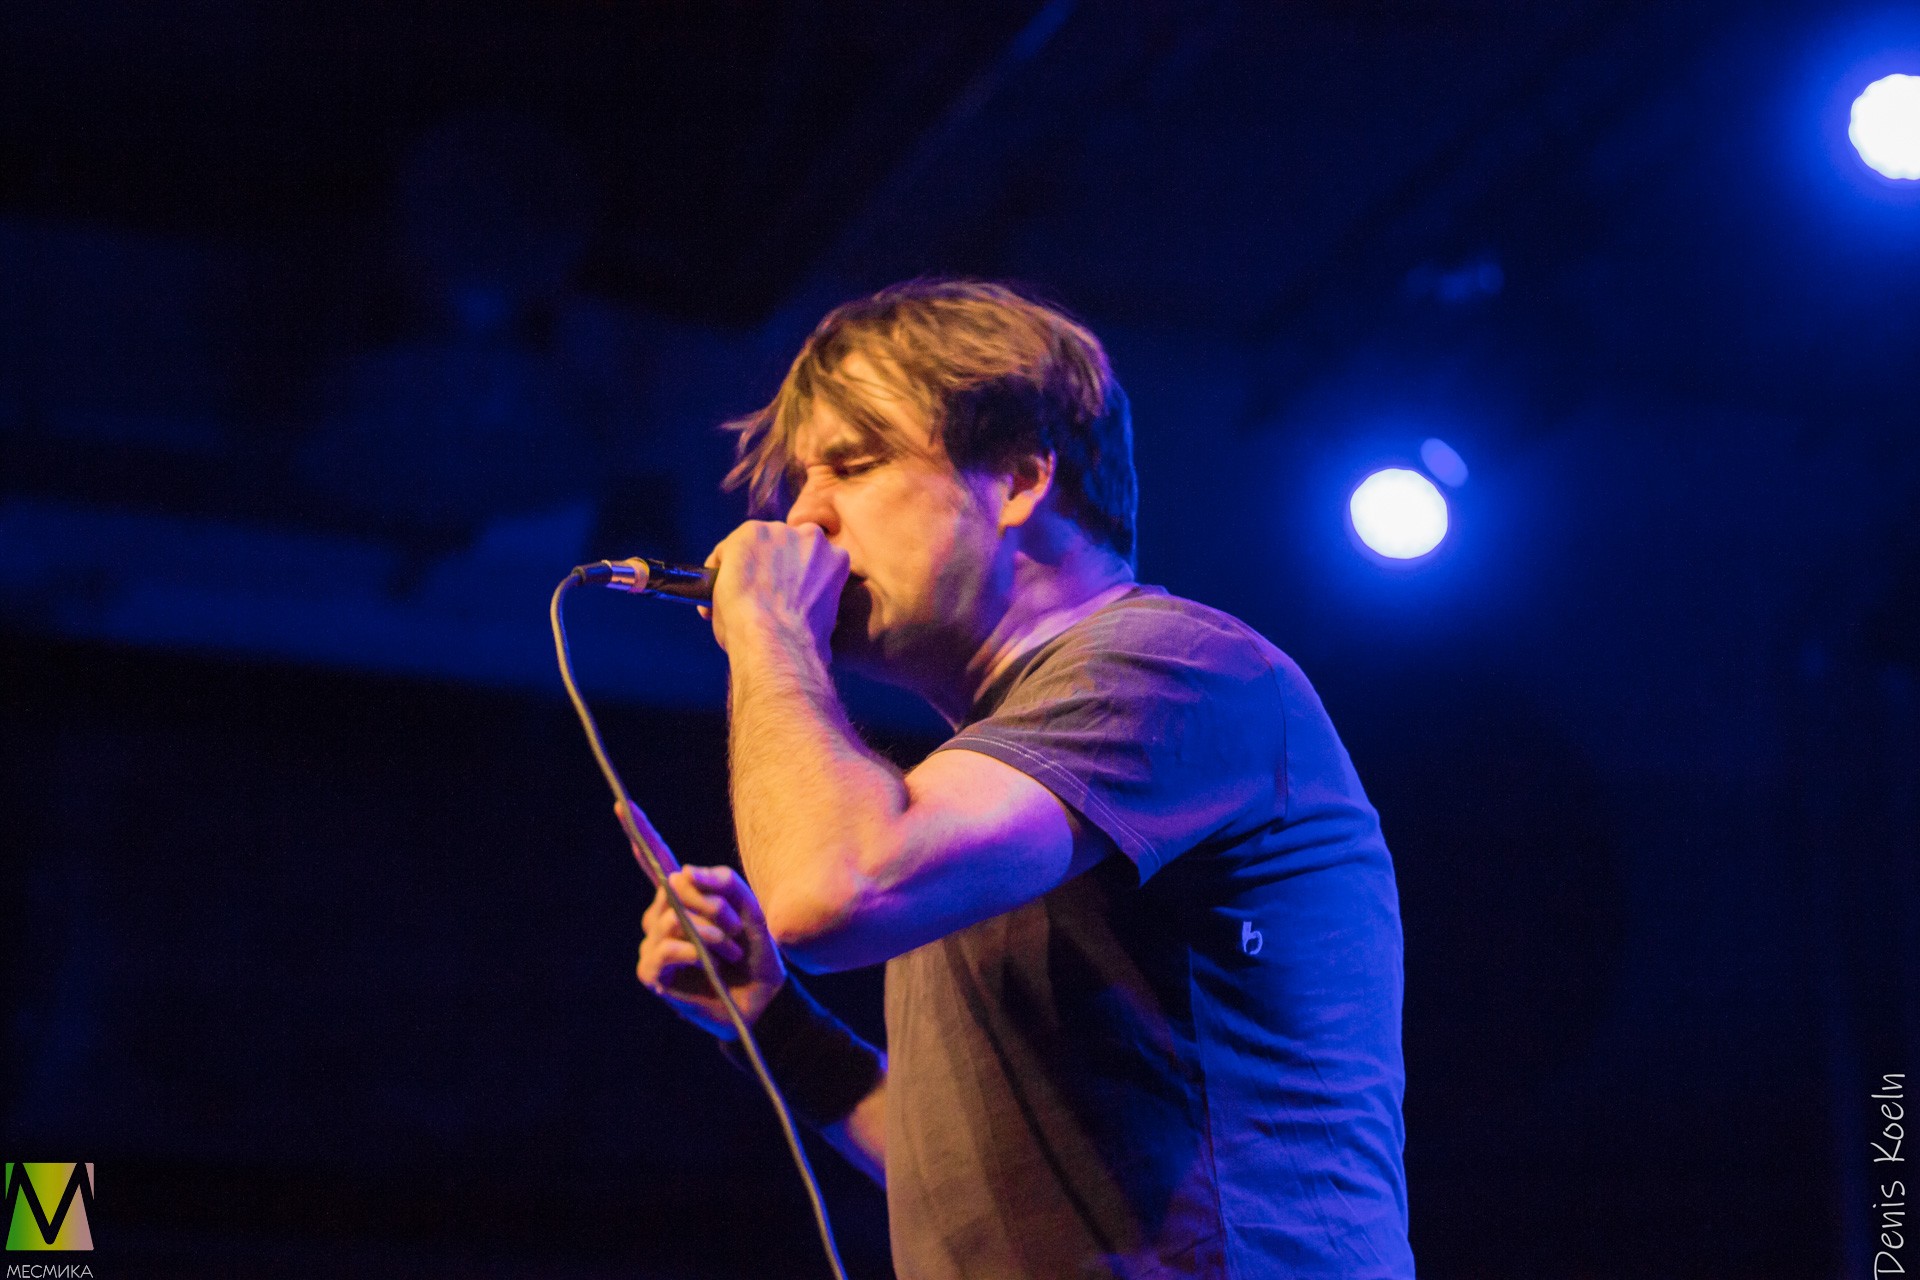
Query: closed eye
[(845, 469), (835, 464)]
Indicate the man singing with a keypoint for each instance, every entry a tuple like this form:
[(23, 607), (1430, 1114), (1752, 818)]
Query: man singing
[(1141, 934)]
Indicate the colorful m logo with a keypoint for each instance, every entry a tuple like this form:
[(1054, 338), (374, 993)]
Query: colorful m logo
[(68, 1188)]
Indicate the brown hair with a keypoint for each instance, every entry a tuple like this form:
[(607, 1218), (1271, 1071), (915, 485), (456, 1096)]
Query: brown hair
[(997, 374)]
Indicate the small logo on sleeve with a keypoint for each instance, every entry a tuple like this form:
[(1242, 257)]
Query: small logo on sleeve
[(1251, 939)]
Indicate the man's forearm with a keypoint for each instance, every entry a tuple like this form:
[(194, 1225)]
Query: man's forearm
[(814, 810), (862, 1136), (831, 1078)]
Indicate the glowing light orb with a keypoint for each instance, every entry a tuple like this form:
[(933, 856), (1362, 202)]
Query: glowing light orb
[(1885, 128), (1446, 465), (1399, 513)]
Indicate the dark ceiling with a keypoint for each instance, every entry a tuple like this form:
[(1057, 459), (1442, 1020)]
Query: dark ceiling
[(1208, 164)]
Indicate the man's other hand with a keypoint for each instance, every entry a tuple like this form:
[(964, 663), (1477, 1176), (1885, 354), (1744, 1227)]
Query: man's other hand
[(728, 918)]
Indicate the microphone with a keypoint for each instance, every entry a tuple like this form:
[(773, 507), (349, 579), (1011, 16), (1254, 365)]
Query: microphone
[(643, 577)]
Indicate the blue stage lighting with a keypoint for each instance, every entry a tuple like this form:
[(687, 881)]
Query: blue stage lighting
[(1885, 127), (1399, 513), (1444, 463)]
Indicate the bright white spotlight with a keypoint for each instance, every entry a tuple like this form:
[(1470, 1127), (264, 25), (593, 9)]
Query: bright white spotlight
[(1399, 513), (1885, 128)]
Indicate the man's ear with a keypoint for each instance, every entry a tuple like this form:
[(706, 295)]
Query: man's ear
[(1029, 481)]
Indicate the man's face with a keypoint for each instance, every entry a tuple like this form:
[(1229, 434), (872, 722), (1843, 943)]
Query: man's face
[(920, 539)]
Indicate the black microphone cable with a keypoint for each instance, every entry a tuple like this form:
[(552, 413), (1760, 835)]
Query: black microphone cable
[(658, 874)]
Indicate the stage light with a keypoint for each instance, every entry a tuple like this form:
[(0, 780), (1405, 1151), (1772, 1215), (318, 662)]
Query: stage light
[(1399, 513), (1885, 127), (1444, 463)]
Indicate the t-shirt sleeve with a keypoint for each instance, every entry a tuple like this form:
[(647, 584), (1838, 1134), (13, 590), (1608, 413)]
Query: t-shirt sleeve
[(1162, 730)]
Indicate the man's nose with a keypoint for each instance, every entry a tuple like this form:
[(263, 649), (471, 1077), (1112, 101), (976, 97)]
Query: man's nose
[(813, 507)]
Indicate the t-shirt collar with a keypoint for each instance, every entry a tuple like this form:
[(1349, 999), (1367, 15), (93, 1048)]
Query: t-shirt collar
[(996, 690)]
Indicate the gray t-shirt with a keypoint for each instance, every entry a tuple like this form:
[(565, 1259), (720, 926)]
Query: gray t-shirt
[(1185, 1062)]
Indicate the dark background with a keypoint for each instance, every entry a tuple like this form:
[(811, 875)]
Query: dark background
[(330, 336)]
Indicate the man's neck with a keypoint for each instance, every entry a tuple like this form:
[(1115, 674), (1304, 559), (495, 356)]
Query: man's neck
[(1046, 600)]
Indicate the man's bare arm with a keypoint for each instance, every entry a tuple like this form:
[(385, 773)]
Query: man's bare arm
[(724, 909), (862, 1136), (812, 806), (853, 861)]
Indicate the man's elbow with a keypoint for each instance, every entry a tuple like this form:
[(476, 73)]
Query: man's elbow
[(812, 924)]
